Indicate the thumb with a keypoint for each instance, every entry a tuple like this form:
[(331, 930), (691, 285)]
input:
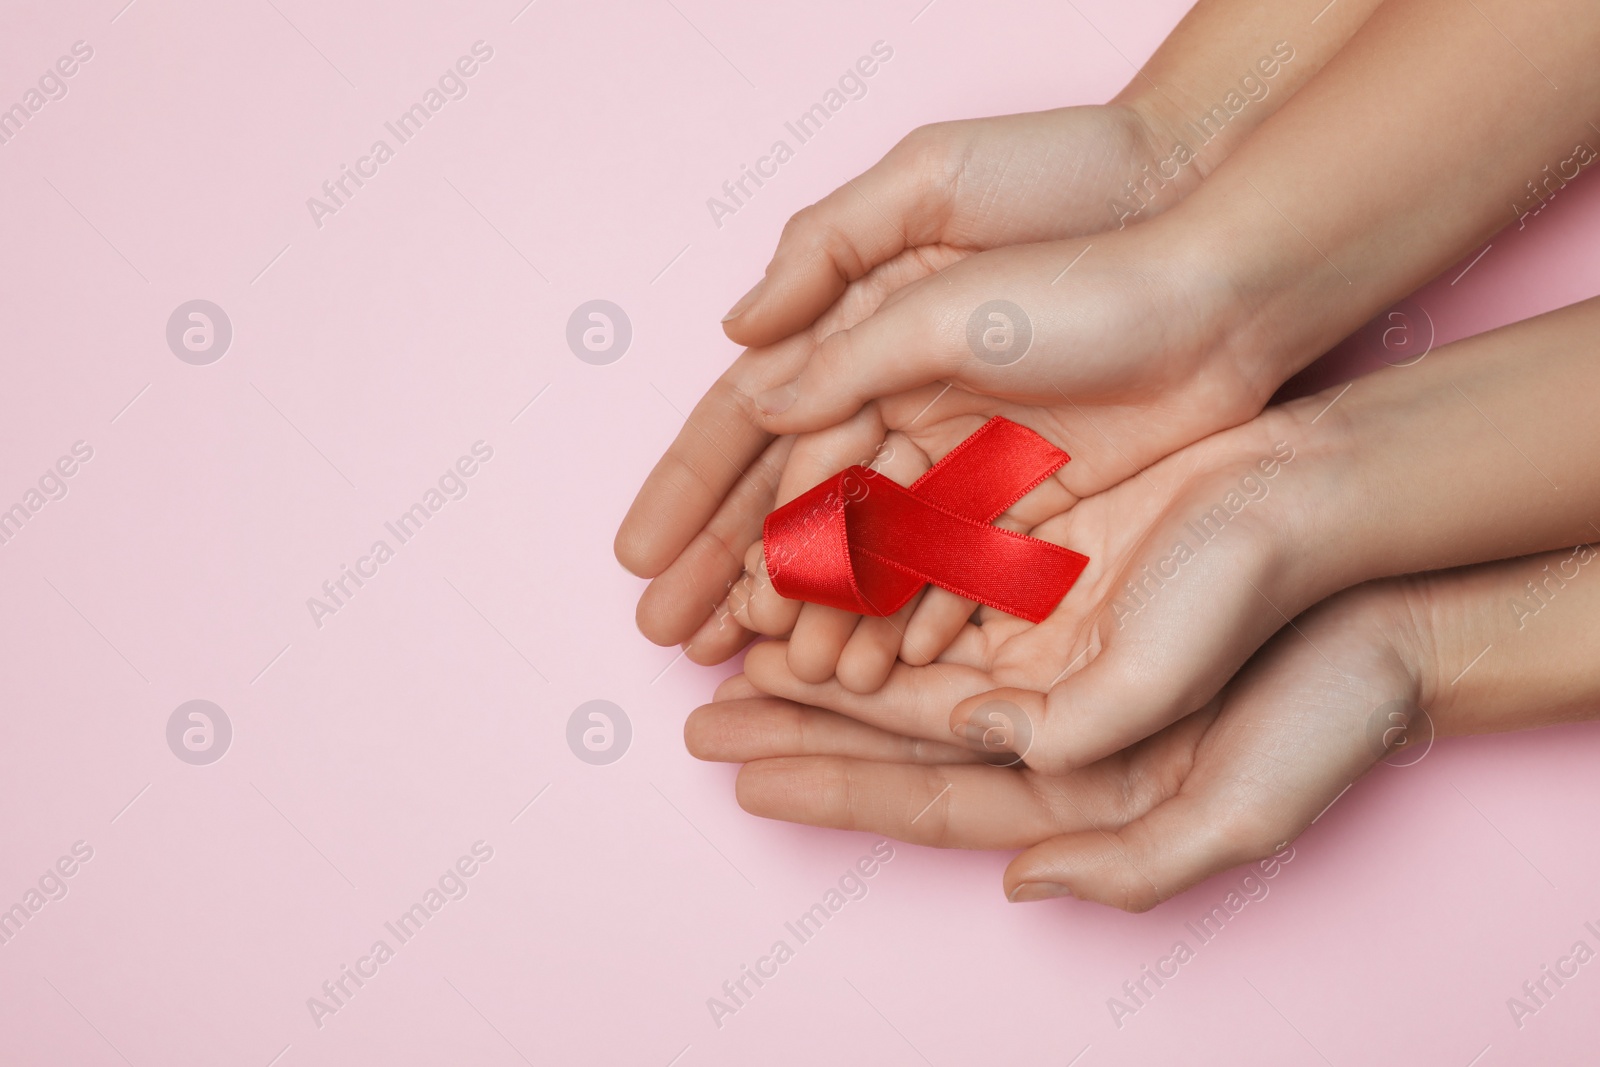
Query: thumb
[(974, 323), (1147, 669), (914, 340), (900, 202), (1176, 845), (1097, 711), (891, 352)]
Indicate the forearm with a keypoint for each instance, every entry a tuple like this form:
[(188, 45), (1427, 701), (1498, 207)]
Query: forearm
[(1226, 68), (1401, 157), (1487, 449), (1508, 645)]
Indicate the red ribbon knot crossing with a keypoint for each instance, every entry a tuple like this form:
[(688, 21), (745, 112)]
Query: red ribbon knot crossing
[(864, 543)]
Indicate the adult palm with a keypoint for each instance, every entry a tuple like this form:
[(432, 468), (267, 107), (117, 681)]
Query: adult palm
[(947, 192), (1121, 350), (1157, 623), (1234, 782)]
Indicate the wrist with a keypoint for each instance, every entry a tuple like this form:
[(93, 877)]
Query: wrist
[(1391, 625), (1313, 539), (1168, 131), (1509, 645), (1243, 293), (1285, 303)]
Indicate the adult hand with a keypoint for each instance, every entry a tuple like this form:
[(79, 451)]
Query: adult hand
[(1481, 452), (1376, 668), (945, 192), (1234, 782)]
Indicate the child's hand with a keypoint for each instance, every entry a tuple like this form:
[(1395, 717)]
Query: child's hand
[(912, 431)]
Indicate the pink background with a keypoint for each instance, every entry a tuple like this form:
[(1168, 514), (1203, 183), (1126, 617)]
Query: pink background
[(372, 752)]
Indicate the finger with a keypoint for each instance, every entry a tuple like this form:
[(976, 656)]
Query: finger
[(761, 607), (839, 239), (751, 726), (915, 701), (871, 652), (948, 806), (1292, 734), (1152, 663), (921, 337), (1177, 845), (736, 687), (683, 593), (896, 349), (934, 625), (820, 635), (820, 454), (688, 484), (951, 806), (719, 638), (813, 458), (1164, 663)]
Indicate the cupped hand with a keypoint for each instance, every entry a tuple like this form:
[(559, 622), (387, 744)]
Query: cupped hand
[(1194, 563), (1233, 782), (963, 186), (945, 192), (1110, 441), (1120, 353)]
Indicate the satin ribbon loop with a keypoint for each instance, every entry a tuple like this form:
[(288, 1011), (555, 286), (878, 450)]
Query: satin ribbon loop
[(864, 543)]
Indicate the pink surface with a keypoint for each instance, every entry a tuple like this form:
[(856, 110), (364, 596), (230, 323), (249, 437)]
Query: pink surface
[(371, 752)]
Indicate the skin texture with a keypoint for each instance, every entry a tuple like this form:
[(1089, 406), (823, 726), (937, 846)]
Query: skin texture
[(1466, 456), (945, 192), (1151, 737), (1183, 737), (1166, 331), (1311, 712)]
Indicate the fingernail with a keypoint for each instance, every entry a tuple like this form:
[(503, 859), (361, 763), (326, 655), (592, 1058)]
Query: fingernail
[(986, 740), (744, 302), (777, 400), (1027, 892)]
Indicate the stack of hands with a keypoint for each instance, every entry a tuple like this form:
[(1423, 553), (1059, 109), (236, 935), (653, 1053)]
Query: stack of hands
[(1275, 593)]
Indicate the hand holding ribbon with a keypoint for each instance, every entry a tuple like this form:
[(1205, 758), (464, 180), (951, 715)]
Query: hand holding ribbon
[(863, 543)]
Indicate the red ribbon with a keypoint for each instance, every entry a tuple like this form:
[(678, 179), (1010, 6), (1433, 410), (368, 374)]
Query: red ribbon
[(866, 544)]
